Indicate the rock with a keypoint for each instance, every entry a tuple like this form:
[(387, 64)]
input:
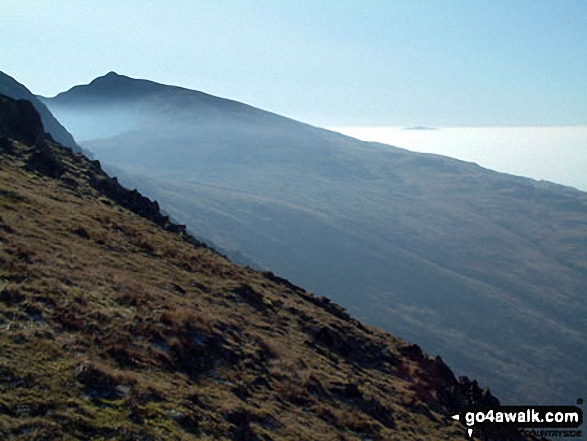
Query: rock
[(44, 161), (20, 121)]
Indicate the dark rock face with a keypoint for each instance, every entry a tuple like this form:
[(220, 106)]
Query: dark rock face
[(345, 343), (45, 162), (442, 392), (133, 200), (13, 89), (451, 393), (20, 121)]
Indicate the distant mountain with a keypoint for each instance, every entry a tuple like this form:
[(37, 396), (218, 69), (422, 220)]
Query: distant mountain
[(118, 325), (12, 88), (487, 269)]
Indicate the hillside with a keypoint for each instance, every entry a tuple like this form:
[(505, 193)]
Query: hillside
[(117, 324), (12, 88), (478, 266)]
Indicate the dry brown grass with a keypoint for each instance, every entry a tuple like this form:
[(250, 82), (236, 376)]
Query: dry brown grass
[(112, 328)]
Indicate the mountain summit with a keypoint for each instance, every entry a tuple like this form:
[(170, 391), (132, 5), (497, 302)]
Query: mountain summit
[(107, 87), (479, 266), (112, 88)]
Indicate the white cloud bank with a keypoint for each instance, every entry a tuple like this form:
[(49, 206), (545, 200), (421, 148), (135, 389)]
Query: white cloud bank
[(556, 154)]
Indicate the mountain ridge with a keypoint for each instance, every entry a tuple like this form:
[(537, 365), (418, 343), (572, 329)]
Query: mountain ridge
[(118, 326), (114, 85), (424, 246), (12, 88)]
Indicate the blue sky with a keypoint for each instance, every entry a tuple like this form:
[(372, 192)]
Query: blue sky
[(329, 63)]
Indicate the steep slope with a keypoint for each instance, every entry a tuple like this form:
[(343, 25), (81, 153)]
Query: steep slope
[(479, 266), (117, 324), (12, 88)]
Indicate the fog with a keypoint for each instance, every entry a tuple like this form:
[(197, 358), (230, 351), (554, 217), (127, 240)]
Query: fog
[(96, 122), (557, 154)]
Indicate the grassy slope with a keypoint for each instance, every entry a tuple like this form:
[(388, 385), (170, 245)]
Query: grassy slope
[(112, 328), (478, 266)]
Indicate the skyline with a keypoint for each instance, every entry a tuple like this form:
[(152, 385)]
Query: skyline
[(555, 154), (328, 64), (490, 93), (549, 153)]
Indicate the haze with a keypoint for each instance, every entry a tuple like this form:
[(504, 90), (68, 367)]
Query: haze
[(474, 265), (328, 63), (398, 238), (556, 154)]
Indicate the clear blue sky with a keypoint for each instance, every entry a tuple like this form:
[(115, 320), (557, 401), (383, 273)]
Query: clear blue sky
[(330, 63)]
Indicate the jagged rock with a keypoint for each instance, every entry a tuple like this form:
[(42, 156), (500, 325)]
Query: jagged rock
[(20, 121), (17, 91), (347, 344), (414, 352), (132, 200), (44, 161), (476, 395), (281, 281)]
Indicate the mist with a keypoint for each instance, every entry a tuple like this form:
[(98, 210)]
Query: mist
[(399, 238), (96, 122), (556, 154)]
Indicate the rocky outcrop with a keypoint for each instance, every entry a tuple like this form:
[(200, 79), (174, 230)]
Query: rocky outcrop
[(13, 89), (20, 121), (44, 161), (131, 199)]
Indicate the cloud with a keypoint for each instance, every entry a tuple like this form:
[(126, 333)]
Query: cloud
[(420, 128)]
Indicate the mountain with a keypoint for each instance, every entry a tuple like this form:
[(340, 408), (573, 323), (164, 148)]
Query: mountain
[(12, 88), (116, 324), (487, 269)]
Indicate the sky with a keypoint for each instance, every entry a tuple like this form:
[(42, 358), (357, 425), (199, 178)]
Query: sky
[(328, 63), (555, 154)]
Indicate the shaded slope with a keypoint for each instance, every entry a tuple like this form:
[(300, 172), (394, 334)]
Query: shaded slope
[(12, 88), (116, 324), (479, 266)]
